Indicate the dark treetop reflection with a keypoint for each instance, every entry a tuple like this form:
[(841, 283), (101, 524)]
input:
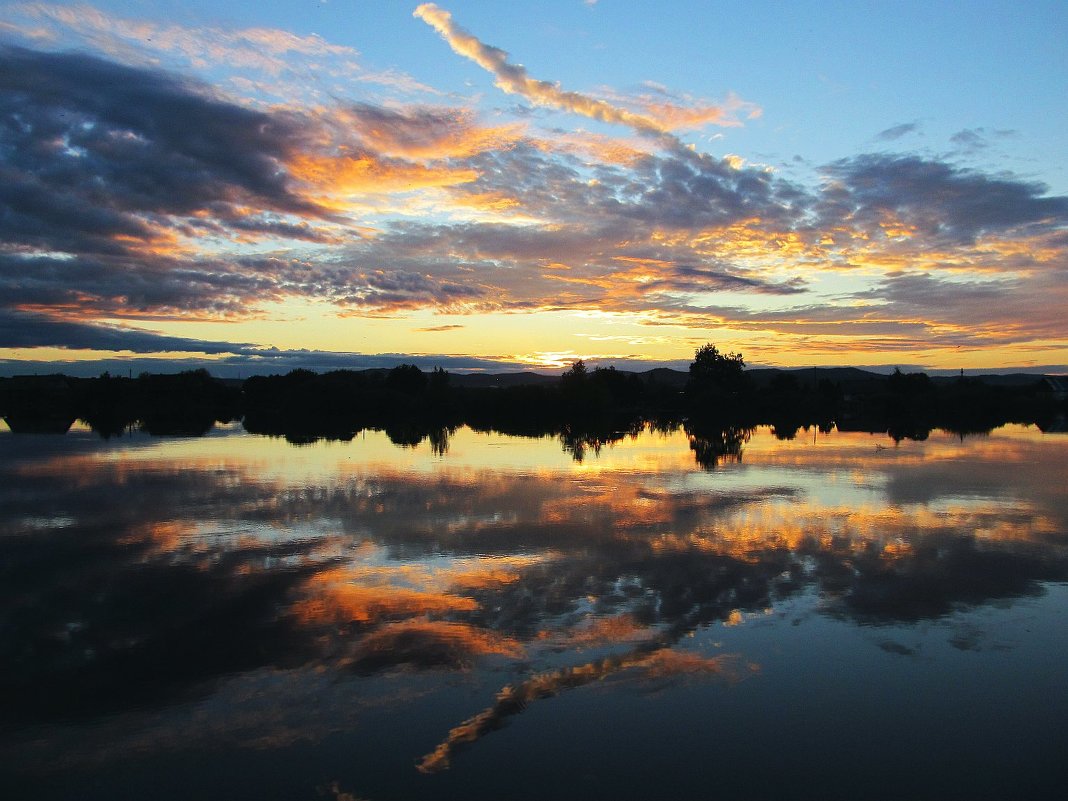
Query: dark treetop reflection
[(240, 597)]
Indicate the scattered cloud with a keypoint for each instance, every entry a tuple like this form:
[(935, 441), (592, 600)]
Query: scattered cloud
[(272, 61), (969, 140), (935, 199), (896, 132), (135, 192), (973, 140)]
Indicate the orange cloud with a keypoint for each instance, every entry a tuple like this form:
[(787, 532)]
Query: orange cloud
[(431, 643), (424, 132), (673, 116), (346, 175), (686, 112), (601, 148), (602, 631), (496, 203), (334, 600)]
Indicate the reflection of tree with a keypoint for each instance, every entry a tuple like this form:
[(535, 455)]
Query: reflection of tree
[(577, 440), (39, 423), (439, 440), (908, 430), (302, 439), (410, 435), (785, 430), (712, 445), (405, 434)]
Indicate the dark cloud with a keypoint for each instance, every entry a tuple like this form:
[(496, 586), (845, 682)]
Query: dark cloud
[(691, 191), (398, 288), (275, 360), (897, 131), (135, 140), (603, 222), (104, 165), (676, 189), (974, 312), (25, 330), (921, 291), (944, 202), (267, 225), (970, 139), (696, 279), (130, 285), (20, 329)]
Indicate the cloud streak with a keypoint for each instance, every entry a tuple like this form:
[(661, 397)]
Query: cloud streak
[(514, 79)]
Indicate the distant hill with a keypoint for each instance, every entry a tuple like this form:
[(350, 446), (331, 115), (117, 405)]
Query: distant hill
[(845, 377), (665, 376), (994, 379), (848, 378), (499, 380)]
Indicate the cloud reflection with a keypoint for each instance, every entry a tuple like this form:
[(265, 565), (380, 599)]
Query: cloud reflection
[(513, 699), (165, 568)]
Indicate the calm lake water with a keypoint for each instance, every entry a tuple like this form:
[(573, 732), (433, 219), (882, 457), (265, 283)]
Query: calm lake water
[(494, 617)]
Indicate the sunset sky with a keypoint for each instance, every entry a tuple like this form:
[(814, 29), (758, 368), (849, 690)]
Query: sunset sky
[(256, 187)]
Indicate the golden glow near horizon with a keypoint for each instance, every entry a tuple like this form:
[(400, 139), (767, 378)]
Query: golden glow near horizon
[(375, 213)]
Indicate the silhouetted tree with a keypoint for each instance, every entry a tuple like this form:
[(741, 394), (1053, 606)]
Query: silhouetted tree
[(623, 389), (710, 368), (406, 378), (784, 384), (716, 382), (574, 375), (912, 384), (186, 404), (438, 382)]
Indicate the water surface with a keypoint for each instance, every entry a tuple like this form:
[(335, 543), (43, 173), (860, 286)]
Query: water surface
[(493, 617)]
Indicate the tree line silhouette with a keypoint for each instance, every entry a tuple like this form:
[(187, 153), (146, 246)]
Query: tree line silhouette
[(718, 402)]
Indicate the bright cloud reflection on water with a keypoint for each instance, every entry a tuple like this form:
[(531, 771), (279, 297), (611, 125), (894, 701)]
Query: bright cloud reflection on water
[(190, 606)]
